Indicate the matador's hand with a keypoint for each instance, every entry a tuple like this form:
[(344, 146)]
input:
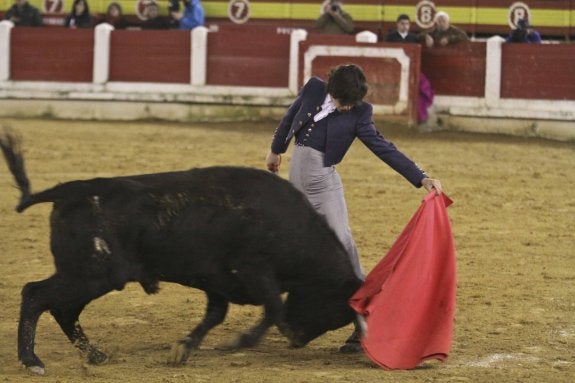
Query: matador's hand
[(273, 162), (432, 184)]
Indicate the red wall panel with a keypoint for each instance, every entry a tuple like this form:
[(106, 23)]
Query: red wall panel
[(456, 70), (38, 54), (248, 56), (150, 56), (538, 71)]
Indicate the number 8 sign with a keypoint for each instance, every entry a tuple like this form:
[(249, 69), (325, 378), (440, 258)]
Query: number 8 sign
[(518, 11), (239, 11), (424, 14)]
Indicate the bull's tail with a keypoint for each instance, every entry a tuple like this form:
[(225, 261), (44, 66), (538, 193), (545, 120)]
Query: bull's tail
[(10, 143)]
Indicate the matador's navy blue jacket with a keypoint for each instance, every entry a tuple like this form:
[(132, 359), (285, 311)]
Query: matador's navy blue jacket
[(341, 131)]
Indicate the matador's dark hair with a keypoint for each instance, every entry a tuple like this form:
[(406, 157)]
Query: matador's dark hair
[(347, 83)]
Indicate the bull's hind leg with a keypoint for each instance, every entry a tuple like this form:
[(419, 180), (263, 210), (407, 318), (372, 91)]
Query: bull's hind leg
[(67, 318), (215, 314), (265, 291), (65, 300)]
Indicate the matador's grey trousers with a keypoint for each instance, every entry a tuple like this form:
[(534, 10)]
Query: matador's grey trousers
[(323, 188)]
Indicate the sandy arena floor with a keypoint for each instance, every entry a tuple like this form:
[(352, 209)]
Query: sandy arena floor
[(513, 221)]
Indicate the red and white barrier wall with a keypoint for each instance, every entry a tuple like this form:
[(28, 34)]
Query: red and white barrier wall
[(228, 65), (237, 71), (522, 89)]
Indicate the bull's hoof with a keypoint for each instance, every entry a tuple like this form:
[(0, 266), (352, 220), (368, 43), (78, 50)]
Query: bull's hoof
[(32, 363), (179, 353), (36, 370), (96, 356), (351, 348)]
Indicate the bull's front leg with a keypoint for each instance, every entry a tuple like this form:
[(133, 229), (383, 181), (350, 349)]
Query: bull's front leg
[(265, 290), (67, 307), (216, 311), (35, 300), (65, 298), (26, 335)]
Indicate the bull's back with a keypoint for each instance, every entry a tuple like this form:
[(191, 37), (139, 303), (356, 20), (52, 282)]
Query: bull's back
[(228, 217), (201, 226)]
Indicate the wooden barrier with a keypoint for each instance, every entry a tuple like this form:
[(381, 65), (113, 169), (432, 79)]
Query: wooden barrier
[(240, 66), (248, 56), (38, 54), (150, 56), (457, 70), (538, 71)]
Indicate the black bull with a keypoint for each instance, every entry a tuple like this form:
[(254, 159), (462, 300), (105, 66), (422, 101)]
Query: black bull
[(241, 235)]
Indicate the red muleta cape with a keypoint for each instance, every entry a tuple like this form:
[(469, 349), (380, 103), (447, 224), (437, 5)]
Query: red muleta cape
[(408, 299)]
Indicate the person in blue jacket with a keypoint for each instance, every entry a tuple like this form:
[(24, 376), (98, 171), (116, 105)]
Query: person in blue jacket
[(192, 16), (324, 120)]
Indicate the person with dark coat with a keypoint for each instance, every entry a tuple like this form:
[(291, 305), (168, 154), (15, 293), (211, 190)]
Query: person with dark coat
[(402, 34), (22, 14), (524, 33), (324, 120), (334, 19), (80, 16), (153, 18)]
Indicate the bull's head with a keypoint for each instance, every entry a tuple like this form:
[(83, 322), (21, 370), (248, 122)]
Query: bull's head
[(308, 316)]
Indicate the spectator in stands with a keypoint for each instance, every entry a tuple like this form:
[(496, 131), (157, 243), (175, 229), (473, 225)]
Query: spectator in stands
[(22, 14), (402, 34), (80, 16), (192, 16), (524, 33), (444, 33), (153, 18), (114, 16), (334, 19)]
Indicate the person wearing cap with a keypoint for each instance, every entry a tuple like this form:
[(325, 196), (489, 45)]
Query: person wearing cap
[(402, 34), (524, 33), (23, 14), (443, 32), (334, 19), (324, 120)]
